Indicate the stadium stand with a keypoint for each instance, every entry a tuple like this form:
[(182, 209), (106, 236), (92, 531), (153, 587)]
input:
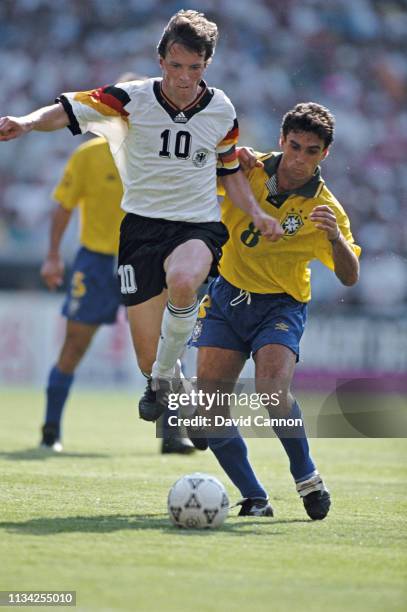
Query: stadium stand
[(349, 56)]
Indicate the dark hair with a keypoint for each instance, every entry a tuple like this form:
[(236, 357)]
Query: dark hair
[(310, 117), (192, 30)]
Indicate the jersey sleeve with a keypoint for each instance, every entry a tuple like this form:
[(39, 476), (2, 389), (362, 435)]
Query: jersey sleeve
[(69, 190), (100, 111), (324, 247), (228, 161)]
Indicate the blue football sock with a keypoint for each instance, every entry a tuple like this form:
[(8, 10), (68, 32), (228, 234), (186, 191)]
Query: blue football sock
[(58, 388), (232, 456), (297, 449)]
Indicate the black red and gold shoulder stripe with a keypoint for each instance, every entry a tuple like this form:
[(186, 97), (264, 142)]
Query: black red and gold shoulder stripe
[(230, 139), (108, 101), (183, 115), (228, 161), (112, 97)]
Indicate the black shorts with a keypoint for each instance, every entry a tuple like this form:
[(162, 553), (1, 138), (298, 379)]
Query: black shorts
[(145, 244)]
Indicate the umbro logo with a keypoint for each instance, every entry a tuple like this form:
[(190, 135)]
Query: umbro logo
[(281, 326), (180, 118)]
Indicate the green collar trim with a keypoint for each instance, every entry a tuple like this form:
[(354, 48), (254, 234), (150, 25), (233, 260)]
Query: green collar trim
[(309, 190)]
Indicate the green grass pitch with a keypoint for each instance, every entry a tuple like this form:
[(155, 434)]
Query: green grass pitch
[(94, 520)]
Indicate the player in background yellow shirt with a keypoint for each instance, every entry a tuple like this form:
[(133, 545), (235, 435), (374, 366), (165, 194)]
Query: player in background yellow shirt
[(257, 306), (90, 181)]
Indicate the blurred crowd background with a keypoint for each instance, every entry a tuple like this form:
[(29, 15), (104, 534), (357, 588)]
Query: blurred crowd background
[(349, 56)]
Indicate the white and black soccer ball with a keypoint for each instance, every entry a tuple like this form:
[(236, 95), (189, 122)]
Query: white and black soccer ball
[(198, 501)]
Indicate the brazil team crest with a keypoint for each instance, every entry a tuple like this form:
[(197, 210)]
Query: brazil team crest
[(292, 223), (197, 331)]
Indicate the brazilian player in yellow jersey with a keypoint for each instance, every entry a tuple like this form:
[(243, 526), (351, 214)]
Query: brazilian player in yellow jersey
[(257, 306), (92, 183), (251, 263)]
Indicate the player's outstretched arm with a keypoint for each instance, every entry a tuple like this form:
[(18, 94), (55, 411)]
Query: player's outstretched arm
[(345, 260), (52, 270), (240, 193), (46, 119)]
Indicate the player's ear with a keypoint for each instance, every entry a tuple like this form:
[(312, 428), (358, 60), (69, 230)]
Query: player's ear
[(325, 153), (281, 140)]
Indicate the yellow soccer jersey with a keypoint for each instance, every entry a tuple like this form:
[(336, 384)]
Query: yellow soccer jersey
[(91, 181), (252, 263)]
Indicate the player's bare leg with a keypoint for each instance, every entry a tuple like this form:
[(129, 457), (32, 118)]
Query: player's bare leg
[(186, 268), (145, 324), (275, 366), (217, 364), (78, 337), (218, 370)]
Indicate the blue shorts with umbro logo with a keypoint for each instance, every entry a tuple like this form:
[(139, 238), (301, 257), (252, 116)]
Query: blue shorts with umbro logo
[(94, 290), (234, 319)]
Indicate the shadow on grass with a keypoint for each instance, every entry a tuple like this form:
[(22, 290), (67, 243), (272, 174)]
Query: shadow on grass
[(41, 454), (117, 522)]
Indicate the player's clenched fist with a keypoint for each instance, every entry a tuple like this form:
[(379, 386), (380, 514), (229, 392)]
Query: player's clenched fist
[(324, 218), (269, 227), (12, 127), (248, 159)]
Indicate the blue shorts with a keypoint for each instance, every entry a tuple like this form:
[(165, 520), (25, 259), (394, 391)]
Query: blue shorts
[(244, 322), (94, 290)]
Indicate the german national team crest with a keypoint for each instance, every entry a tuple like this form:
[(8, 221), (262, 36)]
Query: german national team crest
[(292, 223), (200, 157)]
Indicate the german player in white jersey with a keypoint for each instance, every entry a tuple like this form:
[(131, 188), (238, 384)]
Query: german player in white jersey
[(150, 138), (169, 138)]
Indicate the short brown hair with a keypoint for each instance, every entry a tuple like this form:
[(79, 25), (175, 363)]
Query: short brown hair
[(310, 117), (192, 30)]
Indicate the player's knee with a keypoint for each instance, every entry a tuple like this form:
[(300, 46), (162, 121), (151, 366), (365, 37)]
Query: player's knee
[(182, 285)]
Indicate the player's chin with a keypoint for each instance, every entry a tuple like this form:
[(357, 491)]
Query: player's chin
[(301, 174)]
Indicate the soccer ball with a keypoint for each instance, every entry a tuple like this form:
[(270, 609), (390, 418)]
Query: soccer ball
[(198, 501)]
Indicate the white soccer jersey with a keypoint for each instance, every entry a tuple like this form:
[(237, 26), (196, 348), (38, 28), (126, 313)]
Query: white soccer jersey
[(167, 158)]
